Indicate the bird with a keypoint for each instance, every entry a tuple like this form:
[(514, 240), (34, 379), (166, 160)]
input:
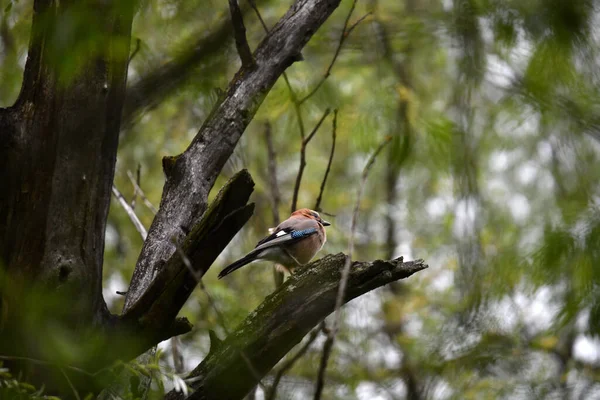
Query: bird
[(293, 243)]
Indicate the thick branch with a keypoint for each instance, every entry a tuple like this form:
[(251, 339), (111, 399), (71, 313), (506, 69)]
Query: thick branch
[(161, 302), (190, 176), (283, 319)]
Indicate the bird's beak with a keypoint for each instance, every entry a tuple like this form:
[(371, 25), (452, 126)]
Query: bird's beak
[(325, 223)]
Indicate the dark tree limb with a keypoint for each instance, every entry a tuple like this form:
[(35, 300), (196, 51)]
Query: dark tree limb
[(191, 175), (239, 32), (167, 293), (283, 319)]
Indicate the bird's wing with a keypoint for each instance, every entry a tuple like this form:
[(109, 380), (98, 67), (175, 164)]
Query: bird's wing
[(286, 238), (288, 232), (277, 232)]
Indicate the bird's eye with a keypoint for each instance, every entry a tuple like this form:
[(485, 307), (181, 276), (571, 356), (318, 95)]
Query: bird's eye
[(315, 214)]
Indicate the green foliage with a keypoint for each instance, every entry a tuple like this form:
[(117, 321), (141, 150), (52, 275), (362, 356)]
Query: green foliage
[(13, 388)]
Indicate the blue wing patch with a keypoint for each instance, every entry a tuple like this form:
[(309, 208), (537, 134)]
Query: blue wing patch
[(303, 233)]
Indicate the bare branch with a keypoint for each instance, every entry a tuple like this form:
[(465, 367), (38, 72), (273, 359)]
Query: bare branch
[(130, 213), (257, 12), (345, 33), (137, 184), (293, 95), (345, 274), (239, 31), (305, 142), (283, 319), (333, 137), (138, 190)]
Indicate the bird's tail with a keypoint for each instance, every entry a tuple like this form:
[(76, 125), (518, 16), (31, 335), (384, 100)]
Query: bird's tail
[(247, 259)]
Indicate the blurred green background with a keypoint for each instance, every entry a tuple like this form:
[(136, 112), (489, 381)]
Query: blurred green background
[(491, 177)]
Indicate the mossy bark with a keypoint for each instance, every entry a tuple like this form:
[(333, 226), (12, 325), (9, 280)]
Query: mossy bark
[(234, 366)]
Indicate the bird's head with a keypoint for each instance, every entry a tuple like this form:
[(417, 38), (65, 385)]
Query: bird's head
[(305, 212)]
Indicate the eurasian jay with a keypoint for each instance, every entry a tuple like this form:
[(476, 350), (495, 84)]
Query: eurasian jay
[(291, 244)]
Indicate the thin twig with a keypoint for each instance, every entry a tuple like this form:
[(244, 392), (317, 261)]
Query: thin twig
[(345, 274), (255, 8), (138, 42), (333, 137), (290, 363), (138, 190), (275, 195), (62, 371), (296, 105), (272, 170), (305, 142), (138, 177), (293, 95), (130, 213), (316, 128), (239, 32), (344, 35), (358, 21)]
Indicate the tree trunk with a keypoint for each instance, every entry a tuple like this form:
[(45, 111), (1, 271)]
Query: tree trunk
[(59, 145)]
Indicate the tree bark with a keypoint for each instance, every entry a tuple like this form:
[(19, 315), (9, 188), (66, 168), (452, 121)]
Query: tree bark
[(58, 155), (58, 152), (282, 320)]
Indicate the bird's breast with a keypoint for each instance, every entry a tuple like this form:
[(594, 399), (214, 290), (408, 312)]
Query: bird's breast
[(304, 250)]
